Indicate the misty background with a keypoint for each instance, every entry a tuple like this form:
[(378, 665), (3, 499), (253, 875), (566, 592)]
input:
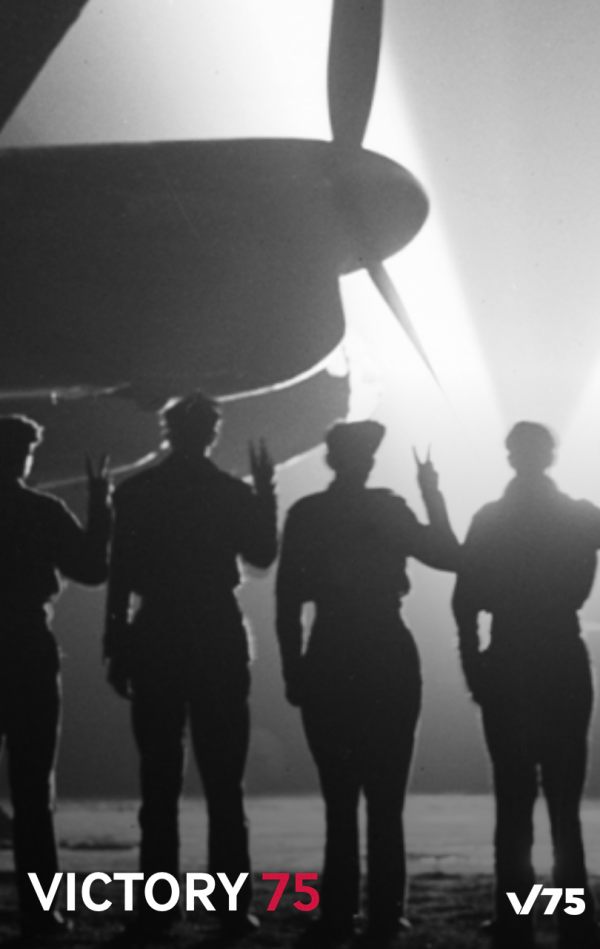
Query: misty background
[(496, 109)]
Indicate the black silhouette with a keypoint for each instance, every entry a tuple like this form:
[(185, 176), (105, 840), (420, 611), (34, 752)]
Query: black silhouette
[(529, 560), (179, 529), (40, 541), (358, 682)]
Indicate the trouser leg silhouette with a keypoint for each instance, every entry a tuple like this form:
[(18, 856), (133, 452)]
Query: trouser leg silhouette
[(29, 719), (563, 769), (361, 735), (385, 791), (341, 789), (220, 724), (216, 701), (159, 725)]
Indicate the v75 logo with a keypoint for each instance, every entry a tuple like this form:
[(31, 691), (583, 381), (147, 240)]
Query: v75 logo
[(574, 902)]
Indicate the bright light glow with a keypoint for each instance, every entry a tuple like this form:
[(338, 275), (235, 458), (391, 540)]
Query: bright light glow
[(463, 422), (579, 456), (148, 70)]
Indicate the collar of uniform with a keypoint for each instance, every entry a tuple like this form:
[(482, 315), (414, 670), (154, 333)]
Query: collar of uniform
[(528, 488), (340, 488), (197, 468)]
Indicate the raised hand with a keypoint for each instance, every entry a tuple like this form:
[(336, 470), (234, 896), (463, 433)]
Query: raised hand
[(98, 479), (427, 476), (261, 468)]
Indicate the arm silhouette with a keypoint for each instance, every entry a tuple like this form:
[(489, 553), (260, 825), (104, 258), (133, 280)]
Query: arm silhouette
[(467, 603), (258, 519), (117, 635), (82, 553), (291, 594), (434, 544)]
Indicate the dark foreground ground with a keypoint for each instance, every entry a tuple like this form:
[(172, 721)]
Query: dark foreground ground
[(450, 856), (446, 910)]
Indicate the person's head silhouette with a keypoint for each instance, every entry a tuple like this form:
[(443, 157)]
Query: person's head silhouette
[(19, 437), (351, 449), (190, 424), (531, 449)]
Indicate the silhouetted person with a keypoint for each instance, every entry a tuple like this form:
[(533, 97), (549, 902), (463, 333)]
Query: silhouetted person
[(40, 542), (529, 559), (180, 528), (358, 682)]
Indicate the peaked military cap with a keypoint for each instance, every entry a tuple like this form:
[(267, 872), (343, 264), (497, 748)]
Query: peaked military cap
[(355, 438)]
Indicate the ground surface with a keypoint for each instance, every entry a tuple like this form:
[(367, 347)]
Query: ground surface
[(449, 861)]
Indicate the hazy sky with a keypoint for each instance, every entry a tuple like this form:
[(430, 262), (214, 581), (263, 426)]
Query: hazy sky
[(495, 106)]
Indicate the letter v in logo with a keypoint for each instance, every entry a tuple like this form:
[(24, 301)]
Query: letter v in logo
[(527, 906), (46, 899)]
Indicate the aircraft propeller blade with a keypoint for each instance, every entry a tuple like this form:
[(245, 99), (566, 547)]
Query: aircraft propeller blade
[(385, 285), (29, 32), (352, 68)]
